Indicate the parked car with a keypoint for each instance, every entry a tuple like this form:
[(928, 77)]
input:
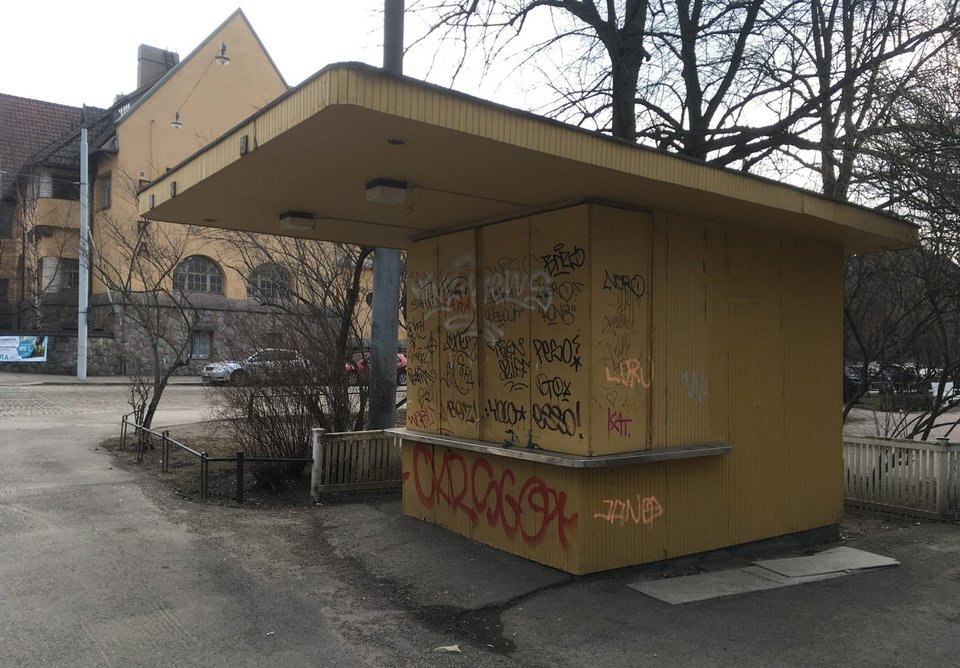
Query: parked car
[(894, 378), (851, 385), (238, 372), (358, 369)]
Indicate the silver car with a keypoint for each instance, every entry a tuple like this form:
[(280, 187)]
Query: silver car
[(238, 372)]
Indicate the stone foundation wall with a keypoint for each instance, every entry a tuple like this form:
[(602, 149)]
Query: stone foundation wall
[(116, 345), (102, 356)]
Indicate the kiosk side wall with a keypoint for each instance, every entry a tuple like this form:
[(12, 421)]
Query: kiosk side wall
[(593, 331)]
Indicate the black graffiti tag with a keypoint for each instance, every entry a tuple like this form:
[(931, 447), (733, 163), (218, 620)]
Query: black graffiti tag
[(552, 417), (512, 359), (563, 261), (555, 389), (505, 412), (634, 284), (562, 351)]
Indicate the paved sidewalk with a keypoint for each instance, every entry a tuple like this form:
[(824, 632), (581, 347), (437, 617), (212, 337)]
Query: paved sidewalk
[(102, 565), (7, 378)]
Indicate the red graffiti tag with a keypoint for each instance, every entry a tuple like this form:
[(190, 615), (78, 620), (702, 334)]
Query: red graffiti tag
[(499, 500)]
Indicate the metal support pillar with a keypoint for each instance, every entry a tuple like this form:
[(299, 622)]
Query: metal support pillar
[(386, 267)]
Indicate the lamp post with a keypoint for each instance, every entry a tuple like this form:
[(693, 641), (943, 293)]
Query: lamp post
[(83, 289)]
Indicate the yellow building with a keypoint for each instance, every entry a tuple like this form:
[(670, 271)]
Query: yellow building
[(178, 107), (617, 355)]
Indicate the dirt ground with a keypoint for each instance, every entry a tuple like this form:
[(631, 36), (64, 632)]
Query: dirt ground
[(183, 478)]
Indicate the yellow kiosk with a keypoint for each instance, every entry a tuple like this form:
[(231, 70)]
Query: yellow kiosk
[(616, 355)]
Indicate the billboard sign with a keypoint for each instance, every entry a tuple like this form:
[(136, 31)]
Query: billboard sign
[(23, 348)]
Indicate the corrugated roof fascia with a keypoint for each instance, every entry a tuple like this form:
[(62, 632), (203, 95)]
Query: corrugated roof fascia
[(736, 184)]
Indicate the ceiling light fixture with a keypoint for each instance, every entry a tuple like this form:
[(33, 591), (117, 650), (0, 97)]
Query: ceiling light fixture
[(387, 191), (297, 221)]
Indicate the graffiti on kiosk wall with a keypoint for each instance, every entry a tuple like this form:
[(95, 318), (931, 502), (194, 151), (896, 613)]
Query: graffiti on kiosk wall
[(553, 388), (629, 374), (505, 412), (617, 423), (530, 508), (563, 260), (632, 283), (548, 286), (644, 511), (695, 385), (513, 362), (564, 351), (562, 419), (423, 418), (514, 286), (562, 309)]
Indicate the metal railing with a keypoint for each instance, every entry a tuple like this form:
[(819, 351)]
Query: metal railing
[(912, 477), (240, 460), (355, 460)]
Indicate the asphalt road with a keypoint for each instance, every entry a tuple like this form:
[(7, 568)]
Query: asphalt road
[(94, 573), (102, 566)]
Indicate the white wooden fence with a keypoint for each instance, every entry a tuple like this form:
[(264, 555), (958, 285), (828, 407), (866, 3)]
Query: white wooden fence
[(913, 477), (354, 460)]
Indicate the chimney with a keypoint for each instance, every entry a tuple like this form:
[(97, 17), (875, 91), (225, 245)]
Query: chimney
[(153, 63)]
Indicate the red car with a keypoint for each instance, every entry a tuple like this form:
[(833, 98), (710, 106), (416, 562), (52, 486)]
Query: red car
[(358, 369)]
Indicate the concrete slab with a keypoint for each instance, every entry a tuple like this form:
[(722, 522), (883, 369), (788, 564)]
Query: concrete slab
[(718, 584), (691, 588), (763, 575), (837, 560)]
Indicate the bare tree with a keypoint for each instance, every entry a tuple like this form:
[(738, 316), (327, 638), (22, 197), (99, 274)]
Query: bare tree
[(618, 28), (48, 249), (314, 290), (912, 168), (153, 318), (735, 83)]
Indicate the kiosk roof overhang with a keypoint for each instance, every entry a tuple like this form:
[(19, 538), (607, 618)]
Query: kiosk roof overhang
[(466, 162)]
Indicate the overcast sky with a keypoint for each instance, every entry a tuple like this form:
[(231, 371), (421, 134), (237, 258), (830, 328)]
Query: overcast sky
[(86, 52)]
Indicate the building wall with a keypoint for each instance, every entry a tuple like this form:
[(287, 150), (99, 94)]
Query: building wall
[(211, 99), (642, 331)]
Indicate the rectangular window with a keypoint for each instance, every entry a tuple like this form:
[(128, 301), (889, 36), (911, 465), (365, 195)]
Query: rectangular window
[(69, 273), (65, 188), (201, 344), (6, 219), (106, 188)]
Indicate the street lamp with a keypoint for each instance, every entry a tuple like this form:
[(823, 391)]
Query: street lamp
[(220, 59)]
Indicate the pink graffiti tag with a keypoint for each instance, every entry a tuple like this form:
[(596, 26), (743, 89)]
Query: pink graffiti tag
[(617, 423), (629, 374), (646, 511)]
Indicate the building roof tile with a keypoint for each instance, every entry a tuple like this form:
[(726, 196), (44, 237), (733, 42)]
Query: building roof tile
[(28, 125)]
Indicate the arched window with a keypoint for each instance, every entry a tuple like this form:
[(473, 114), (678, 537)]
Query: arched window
[(268, 283), (198, 274)]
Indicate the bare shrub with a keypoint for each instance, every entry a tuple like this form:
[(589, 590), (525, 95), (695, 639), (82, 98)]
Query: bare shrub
[(292, 382)]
